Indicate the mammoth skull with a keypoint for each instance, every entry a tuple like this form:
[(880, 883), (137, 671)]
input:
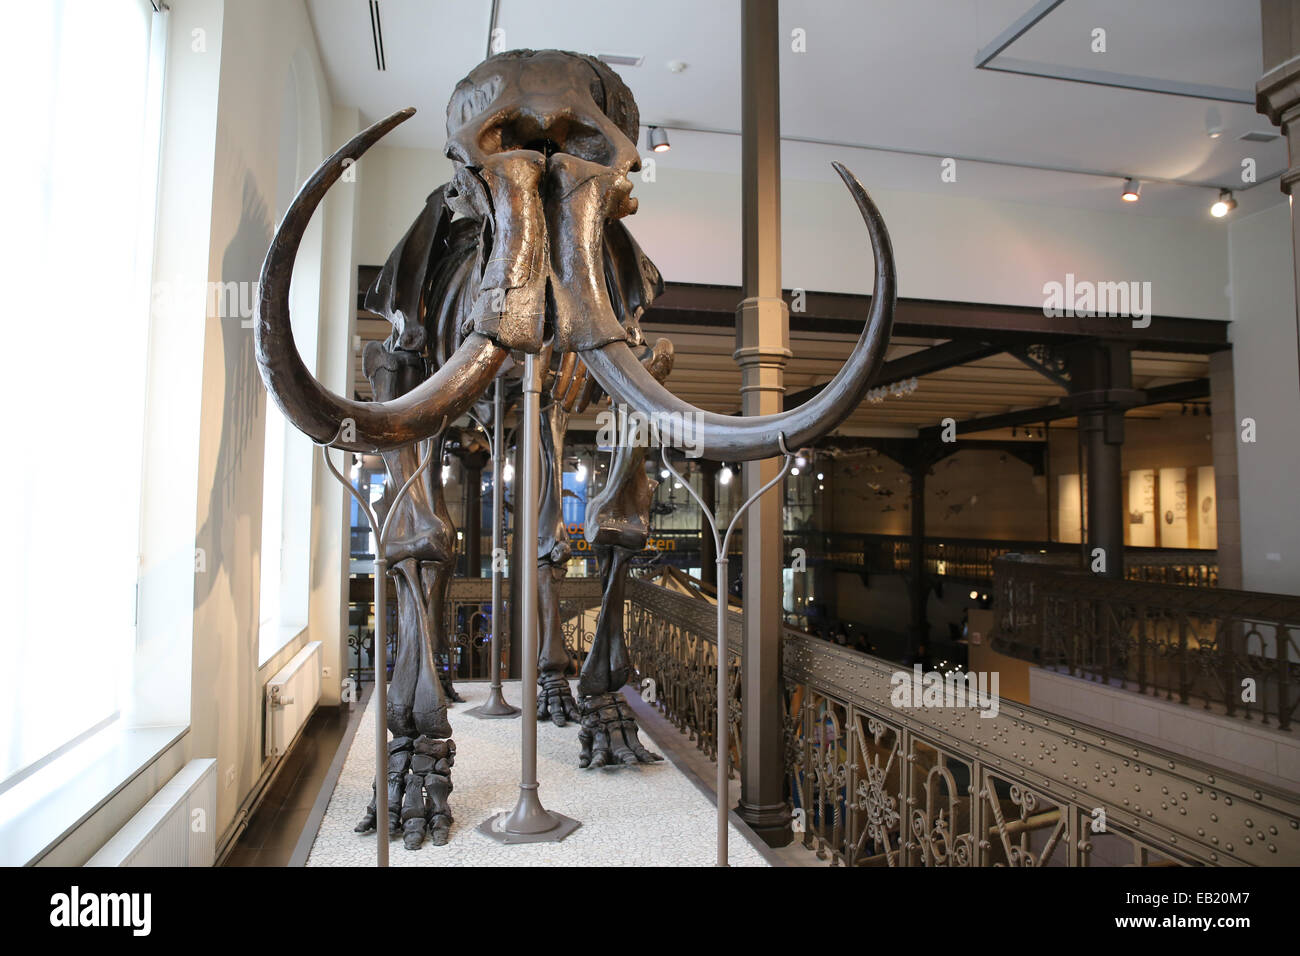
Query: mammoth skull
[(543, 143)]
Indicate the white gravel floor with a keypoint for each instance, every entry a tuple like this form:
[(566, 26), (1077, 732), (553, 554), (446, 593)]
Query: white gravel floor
[(635, 816)]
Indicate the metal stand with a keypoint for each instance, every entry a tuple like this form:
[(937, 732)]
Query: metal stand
[(496, 706), (529, 822), (381, 628), (721, 541)]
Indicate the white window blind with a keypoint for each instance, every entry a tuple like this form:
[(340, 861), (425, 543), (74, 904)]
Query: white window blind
[(84, 80)]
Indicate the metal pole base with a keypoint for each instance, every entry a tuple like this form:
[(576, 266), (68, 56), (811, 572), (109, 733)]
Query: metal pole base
[(528, 822), (495, 707)]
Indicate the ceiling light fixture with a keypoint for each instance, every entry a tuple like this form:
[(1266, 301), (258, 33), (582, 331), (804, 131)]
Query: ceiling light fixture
[(619, 59), (657, 139), (1223, 205), (1132, 190), (1213, 123)]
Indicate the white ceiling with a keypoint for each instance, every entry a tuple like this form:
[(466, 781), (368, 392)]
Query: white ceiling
[(897, 74)]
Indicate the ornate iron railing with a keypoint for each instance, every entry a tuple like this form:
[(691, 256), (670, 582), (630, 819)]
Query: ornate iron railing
[(974, 559), (672, 643), (1237, 652), (880, 785), (873, 784)]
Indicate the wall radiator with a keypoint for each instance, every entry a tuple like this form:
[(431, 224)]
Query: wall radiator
[(174, 828), (291, 696)]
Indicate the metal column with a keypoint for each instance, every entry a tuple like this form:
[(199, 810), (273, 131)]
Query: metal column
[(529, 822), (496, 704), (762, 349)]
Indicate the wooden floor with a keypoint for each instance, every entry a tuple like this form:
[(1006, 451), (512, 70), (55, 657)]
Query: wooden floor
[(278, 822)]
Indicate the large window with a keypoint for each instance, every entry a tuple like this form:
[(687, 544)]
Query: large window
[(287, 472), (83, 81)]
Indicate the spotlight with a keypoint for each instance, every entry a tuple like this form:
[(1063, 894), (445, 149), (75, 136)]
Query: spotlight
[(657, 138), (508, 472), (1213, 123), (581, 474), (800, 461), (663, 473), (724, 476), (821, 476), (1132, 189), (974, 595), (794, 471), (1223, 205)]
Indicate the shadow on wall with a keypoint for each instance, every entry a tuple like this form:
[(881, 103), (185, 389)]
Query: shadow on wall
[(244, 399), (224, 706)]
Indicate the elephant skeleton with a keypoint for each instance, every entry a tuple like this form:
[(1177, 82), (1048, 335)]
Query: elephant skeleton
[(539, 262)]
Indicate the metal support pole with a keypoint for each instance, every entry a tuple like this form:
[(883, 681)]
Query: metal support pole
[(708, 484), (496, 705), (1105, 491), (381, 706), (723, 731), (920, 585), (722, 542), (473, 517), (529, 822), (1100, 391), (381, 627)]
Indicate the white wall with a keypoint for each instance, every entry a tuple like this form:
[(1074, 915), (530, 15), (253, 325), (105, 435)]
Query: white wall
[(259, 42), (394, 184), (1267, 389), (947, 247)]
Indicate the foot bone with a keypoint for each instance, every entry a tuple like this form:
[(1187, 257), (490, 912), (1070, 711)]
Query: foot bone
[(609, 734)]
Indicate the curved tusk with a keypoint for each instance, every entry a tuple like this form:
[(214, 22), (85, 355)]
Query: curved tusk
[(310, 406), (744, 438)]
